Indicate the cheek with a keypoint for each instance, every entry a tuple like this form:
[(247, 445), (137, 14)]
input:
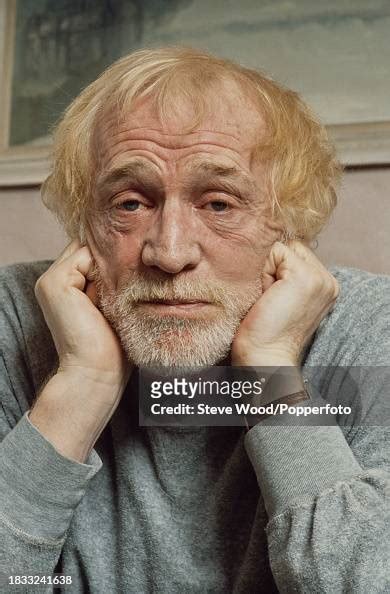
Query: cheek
[(243, 250), (268, 232), (113, 250)]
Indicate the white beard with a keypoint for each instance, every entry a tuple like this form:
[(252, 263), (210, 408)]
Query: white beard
[(169, 341)]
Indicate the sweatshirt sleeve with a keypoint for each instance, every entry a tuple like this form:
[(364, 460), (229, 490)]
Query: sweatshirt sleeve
[(39, 491), (329, 527), (328, 498), (39, 488)]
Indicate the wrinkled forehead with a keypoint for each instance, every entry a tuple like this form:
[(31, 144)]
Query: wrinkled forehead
[(225, 110)]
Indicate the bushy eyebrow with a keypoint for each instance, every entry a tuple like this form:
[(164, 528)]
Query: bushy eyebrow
[(137, 172), (140, 173), (219, 170), (232, 178)]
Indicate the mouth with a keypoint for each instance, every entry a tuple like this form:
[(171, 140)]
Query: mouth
[(177, 307), (175, 301)]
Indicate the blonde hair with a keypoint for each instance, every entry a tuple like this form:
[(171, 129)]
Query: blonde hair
[(301, 166)]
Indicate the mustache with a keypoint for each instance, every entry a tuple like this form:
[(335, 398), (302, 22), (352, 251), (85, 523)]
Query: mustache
[(141, 287)]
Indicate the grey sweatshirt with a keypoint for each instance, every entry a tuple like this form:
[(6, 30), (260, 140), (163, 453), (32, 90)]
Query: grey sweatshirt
[(202, 510)]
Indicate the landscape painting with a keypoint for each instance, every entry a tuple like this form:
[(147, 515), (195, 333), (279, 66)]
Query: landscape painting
[(335, 53)]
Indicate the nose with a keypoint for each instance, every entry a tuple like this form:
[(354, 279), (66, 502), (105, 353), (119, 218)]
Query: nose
[(171, 242)]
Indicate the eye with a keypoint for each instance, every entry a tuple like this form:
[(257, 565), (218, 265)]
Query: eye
[(130, 205), (218, 205)]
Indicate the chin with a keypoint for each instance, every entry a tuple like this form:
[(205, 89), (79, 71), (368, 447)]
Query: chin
[(183, 347)]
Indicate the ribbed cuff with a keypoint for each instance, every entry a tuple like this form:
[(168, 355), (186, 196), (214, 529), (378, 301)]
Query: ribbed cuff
[(297, 463), (40, 488)]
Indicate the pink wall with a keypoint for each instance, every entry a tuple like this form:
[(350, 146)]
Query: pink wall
[(358, 234)]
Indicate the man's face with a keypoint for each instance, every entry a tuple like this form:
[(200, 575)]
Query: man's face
[(180, 229)]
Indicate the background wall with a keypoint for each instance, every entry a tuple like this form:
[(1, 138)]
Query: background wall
[(358, 234)]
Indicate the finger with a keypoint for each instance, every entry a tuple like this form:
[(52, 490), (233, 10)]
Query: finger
[(331, 306), (73, 270), (70, 249), (93, 271), (278, 254), (301, 251), (80, 260), (91, 292), (271, 269), (284, 260), (267, 280), (304, 252)]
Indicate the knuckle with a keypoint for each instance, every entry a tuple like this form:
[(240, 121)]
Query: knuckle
[(44, 286), (294, 243), (316, 283), (38, 286), (332, 287), (336, 288)]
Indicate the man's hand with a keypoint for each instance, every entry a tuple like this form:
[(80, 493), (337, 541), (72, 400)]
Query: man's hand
[(79, 400), (298, 292), (83, 338)]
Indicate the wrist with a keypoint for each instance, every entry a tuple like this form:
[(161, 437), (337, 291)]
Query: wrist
[(264, 359), (71, 413), (281, 385), (282, 381), (94, 379), (270, 356)]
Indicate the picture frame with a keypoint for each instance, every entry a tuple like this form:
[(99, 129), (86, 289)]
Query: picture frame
[(22, 165), (360, 143)]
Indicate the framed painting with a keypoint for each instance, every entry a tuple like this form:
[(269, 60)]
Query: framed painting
[(336, 54)]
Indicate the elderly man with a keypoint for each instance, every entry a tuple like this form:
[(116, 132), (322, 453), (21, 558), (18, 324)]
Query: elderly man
[(191, 188)]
